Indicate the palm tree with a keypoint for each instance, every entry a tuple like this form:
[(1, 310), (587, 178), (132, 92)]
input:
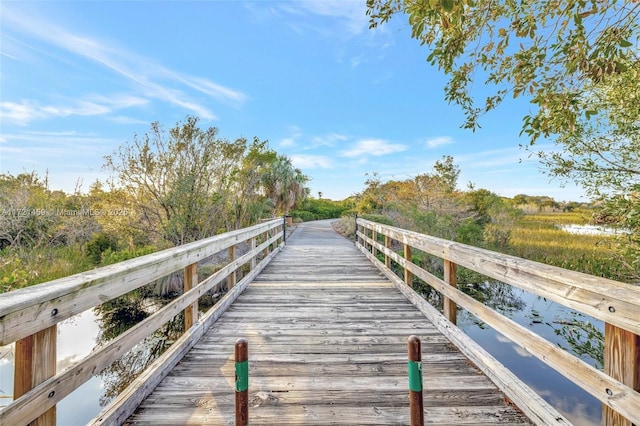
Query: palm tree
[(284, 185)]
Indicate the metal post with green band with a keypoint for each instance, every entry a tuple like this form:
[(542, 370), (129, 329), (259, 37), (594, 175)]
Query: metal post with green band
[(242, 382), (415, 381)]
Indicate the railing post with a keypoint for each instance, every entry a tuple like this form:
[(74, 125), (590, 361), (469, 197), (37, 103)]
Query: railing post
[(450, 308), (268, 238), (284, 229), (252, 247), (35, 362), (231, 279), (622, 362), (387, 244), (374, 237), (416, 408), (355, 220), (242, 382), (408, 256), (190, 280)]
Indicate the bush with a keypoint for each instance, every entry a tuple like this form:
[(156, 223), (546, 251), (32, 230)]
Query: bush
[(110, 257), (98, 245), (302, 215)]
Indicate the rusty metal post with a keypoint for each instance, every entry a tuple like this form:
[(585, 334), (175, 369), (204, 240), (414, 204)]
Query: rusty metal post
[(415, 381), (242, 382)]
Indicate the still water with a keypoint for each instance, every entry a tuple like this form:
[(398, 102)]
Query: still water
[(78, 336), (557, 324)]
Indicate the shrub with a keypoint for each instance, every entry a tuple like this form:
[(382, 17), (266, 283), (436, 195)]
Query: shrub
[(98, 245)]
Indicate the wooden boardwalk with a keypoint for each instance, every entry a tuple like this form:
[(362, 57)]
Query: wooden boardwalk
[(327, 345)]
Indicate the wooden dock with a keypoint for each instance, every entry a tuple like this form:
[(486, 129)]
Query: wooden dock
[(327, 337)]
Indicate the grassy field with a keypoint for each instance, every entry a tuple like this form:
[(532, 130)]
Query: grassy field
[(537, 237)]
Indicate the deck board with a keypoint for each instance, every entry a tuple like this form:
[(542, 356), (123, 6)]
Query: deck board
[(327, 345)]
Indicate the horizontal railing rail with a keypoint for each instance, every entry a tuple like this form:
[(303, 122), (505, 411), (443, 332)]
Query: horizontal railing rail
[(615, 303), (29, 316)]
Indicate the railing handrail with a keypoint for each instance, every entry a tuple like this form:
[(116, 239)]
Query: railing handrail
[(26, 311), (35, 311), (618, 304), (611, 301)]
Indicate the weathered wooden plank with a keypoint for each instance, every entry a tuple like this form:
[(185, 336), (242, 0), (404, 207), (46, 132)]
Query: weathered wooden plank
[(310, 414), (210, 367), (327, 352), (222, 399)]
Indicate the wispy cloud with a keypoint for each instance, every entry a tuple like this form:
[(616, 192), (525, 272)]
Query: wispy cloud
[(26, 111), (287, 142), (330, 139), (68, 143), (497, 157), (149, 77), (311, 161), (375, 147), (350, 15), (438, 141)]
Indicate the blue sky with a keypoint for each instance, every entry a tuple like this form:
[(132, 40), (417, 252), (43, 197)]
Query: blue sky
[(79, 78)]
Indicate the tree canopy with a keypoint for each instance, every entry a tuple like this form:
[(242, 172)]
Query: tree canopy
[(551, 50), (188, 183)]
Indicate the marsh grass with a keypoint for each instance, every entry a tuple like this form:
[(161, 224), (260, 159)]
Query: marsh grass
[(538, 237), (24, 268)]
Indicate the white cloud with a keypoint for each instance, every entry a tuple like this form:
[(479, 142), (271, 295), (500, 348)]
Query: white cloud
[(330, 139), (350, 15), (24, 112), (438, 141), (287, 142), (375, 147), (311, 161), (149, 77)]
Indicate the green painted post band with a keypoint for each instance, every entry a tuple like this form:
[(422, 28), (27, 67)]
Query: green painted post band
[(242, 376), (415, 376)]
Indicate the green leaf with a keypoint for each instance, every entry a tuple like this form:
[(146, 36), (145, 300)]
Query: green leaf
[(625, 43), (447, 5)]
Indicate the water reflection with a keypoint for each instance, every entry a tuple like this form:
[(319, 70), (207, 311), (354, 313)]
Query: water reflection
[(577, 333), (77, 336)]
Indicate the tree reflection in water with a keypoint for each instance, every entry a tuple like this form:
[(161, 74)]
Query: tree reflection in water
[(116, 317)]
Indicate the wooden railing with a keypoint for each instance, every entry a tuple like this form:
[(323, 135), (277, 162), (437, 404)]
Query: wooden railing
[(615, 303), (30, 316)]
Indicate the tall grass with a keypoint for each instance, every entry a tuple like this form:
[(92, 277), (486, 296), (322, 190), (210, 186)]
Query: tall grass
[(537, 237), (37, 265)]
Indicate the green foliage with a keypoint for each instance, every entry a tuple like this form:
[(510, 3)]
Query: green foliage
[(385, 220), (284, 185), (111, 256), (188, 183), (302, 215), (584, 339), (12, 274), (550, 51), (98, 245), (538, 237), (318, 209)]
